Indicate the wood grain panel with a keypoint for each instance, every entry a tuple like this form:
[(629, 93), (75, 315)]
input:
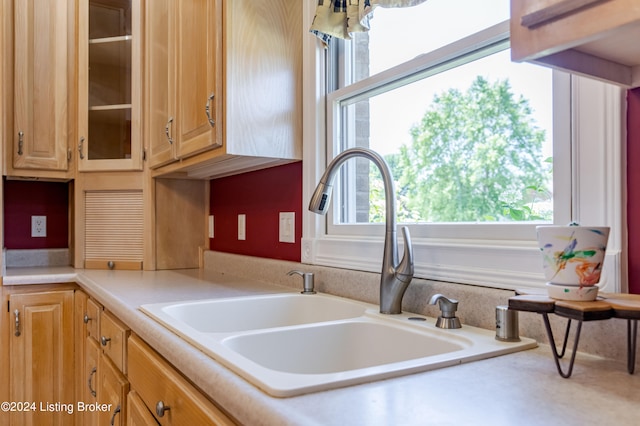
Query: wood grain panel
[(263, 78), (181, 214)]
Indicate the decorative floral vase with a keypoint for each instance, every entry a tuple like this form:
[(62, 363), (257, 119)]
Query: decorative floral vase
[(572, 258)]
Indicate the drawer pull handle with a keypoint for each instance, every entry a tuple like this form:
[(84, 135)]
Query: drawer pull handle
[(17, 314), (90, 382), (161, 408), (104, 340), (115, 412), (86, 318)]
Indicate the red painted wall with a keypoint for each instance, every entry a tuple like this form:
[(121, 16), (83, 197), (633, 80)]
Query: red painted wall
[(24, 199), (261, 196), (633, 188)]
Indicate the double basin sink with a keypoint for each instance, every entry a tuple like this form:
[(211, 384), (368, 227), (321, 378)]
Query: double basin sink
[(289, 344)]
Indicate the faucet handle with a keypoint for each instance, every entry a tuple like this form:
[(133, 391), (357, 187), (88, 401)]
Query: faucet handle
[(404, 271), (307, 281), (448, 308)]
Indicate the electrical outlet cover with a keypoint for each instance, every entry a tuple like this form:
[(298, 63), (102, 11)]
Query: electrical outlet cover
[(38, 226)]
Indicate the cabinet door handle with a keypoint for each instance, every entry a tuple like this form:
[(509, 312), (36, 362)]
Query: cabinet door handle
[(90, 381), (104, 340), (86, 318), (17, 314), (115, 412), (161, 408), (207, 109), (20, 142), (167, 130), (80, 144)]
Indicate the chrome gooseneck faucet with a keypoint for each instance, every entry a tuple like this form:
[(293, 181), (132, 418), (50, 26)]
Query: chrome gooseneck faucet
[(395, 277)]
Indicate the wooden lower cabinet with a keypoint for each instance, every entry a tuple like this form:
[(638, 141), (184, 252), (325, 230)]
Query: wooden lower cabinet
[(90, 382), (103, 385), (80, 365), (41, 356), (166, 394), (113, 389)]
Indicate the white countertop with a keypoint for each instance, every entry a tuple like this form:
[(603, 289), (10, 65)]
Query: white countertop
[(522, 388)]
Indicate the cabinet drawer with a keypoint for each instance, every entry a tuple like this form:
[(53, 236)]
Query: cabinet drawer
[(92, 319), (159, 384), (113, 339), (137, 412)]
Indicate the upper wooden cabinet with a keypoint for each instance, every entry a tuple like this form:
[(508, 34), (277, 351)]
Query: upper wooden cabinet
[(223, 86), (37, 56), (597, 38), (109, 85), (183, 82)]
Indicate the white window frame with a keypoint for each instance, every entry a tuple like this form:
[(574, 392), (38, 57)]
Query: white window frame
[(590, 191)]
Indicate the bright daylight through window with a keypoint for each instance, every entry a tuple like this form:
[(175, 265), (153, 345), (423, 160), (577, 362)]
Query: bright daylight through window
[(466, 132), (482, 149)]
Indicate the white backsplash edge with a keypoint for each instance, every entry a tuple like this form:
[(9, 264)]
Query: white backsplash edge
[(476, 307)]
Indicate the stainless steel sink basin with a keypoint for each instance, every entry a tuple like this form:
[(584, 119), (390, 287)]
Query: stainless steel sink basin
[(290, 344)]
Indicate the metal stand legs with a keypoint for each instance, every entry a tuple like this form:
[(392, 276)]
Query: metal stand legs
[(632, 339), (557, 356)]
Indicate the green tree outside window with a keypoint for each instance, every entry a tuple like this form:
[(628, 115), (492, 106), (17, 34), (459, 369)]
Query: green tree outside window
[(475, 156)]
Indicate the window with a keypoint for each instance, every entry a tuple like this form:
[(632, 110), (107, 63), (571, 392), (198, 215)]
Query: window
[(393, 87)]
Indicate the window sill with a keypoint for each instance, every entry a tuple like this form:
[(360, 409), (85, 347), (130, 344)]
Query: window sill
[(488, 263)]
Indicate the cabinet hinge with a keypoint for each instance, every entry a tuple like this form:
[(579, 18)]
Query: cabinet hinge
[(68, 155), (144, 155), (8, 305)]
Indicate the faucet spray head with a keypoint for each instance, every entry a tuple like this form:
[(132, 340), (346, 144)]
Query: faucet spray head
[(321, 198)]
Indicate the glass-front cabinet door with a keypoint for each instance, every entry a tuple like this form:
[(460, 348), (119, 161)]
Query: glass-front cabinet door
[(109, 79)]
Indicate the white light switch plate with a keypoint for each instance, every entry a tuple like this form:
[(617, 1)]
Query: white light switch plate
[(211, 223), (242, 227), (287, 227)]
